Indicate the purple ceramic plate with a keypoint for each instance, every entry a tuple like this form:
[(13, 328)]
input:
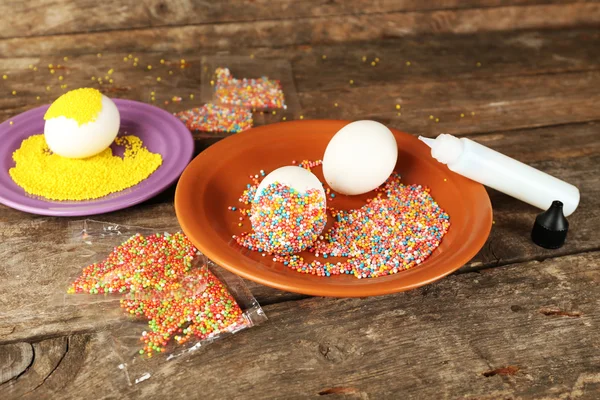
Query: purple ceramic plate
[(160, 131)]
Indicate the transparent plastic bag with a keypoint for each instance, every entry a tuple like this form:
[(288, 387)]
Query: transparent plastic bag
[(225, 74), (212, 303), (216, 119)]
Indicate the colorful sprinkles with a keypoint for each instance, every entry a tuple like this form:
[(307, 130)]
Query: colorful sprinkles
[(162, 284), (215, 118), (284, 220), (396, 230), (259, 93)]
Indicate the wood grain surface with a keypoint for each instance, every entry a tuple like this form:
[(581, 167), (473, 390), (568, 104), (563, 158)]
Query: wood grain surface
[(479, 335), (519, 76), (58, 17), (304, 31)]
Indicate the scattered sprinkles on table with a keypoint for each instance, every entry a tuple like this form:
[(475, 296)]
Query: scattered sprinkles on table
[(396, 230), (214, 118), (161, 284), (259, 93), (42, 173)]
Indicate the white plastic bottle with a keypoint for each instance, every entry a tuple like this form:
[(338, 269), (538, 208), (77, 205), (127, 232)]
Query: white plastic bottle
[(505, 174)]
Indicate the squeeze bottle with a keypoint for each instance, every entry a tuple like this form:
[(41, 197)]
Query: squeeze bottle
[(505, 174)]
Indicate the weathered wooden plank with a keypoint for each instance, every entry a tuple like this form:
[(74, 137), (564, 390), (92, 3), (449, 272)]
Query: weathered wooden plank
[(438, 57), (72, 361), (38, 265), (441, 57), (317, 30), (478, 336), (487, 104), (502, 93), (47, 355), (14, 359), (432, 57), (47, 17), (555, 143)]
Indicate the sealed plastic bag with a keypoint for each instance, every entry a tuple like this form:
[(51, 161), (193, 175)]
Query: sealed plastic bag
[(262, 85), (173, 300)]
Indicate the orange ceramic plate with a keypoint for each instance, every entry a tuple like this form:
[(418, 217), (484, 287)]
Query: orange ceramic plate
[(215, 179)]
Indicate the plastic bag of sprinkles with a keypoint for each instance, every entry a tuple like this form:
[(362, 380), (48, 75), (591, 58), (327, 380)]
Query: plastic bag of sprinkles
[(159, 298), (265, 86), (216, 120)]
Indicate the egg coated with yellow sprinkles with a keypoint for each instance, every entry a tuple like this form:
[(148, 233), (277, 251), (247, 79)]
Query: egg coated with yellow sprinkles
[(42, 173), (82, 105)]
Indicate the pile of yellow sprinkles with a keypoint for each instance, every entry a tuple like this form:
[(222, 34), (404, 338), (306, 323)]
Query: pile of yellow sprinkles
[(40, 172)]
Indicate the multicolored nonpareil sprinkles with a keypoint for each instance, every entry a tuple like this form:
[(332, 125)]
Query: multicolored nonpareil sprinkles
[(162, 285), (262, 93), (214, 118), (284, 220), (395, 231)]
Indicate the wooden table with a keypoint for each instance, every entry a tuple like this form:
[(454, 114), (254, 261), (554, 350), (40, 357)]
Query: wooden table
[(517, 321)]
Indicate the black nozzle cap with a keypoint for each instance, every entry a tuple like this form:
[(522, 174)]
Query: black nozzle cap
[(551, 227)]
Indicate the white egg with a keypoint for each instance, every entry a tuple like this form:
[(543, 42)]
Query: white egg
[(67, 138), (302, 222), (297, 178), (360, 157)]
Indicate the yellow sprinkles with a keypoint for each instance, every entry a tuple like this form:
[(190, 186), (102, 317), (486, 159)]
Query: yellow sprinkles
[(82, 105), (42, 173)]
